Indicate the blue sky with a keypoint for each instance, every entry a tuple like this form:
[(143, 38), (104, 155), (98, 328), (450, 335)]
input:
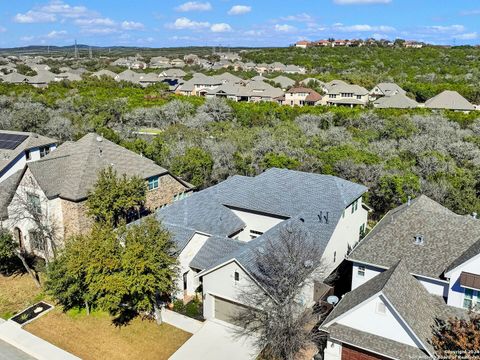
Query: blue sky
[(158, 23)]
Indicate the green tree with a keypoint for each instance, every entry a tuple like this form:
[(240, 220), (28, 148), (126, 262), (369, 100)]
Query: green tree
[(279, 161), (195, 166), (115, 199)]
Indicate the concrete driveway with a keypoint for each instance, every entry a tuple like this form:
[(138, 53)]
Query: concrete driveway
[(216, 340), (8, 352)]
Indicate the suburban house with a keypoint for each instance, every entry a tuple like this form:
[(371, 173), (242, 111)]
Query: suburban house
[(104, 72), (302, 96), (449, 100), (342, 94), (303, 44), (159, 62), (283, 81), (397, 101), (17, 148), (386, 89), (219, 230), (420, 263), (58, 185), (391, 316)]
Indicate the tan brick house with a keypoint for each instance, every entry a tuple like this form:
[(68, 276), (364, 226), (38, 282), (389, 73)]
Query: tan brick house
[(60, 183)]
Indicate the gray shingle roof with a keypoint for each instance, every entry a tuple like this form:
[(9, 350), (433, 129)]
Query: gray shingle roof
[(71, 171), (7, 191), (390, 89), (416, 306), (398, 101), (286, 193), (446, 237), (214, 248), (450, 100)]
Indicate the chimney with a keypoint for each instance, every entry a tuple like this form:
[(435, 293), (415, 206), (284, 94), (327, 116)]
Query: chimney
[(409, 201)]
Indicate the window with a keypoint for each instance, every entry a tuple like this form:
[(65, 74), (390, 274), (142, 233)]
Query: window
[(334, 256), (180, 196), (28, 155), (36, 242), (359, 97), (362, 230), (468, 299), (153, 183), (361, 271), (44, 151), (33, 202), (236, 276), (354, 206)]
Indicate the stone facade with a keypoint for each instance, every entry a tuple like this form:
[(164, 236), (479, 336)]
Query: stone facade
[(168, 187), (75, 218)]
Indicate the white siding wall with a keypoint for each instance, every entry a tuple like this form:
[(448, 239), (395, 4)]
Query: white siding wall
[(434, 287), (19, 162), (333, 351), (455, 291), (370, 273), (186, 256), (221, 283), (368, 319), (256, 222), (347, 233)]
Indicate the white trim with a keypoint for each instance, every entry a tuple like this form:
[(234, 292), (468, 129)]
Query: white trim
[(361, 348), (406, 324), (447, 274)]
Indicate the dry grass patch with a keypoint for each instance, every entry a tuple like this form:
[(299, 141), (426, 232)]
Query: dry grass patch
[(95, 337), (16, 293)]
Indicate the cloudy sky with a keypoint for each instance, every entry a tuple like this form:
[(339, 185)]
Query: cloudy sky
[(234, 23)]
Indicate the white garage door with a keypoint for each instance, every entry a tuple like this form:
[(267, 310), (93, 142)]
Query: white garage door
[(226, 310)]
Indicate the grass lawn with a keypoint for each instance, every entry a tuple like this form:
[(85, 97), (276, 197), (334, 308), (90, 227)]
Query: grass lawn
[(95, 337), (16, 293)]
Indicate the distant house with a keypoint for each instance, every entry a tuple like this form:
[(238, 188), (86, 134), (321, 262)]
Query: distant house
[(59, 185), (42, 79), (17, 148), (413, 44), (449, 100), (277, 67), (301, 96), (128, 75), (302, 44), (283, 81), (104, 72), (294, 69), (15, 78), (341, 94), (386, 89), (159, 62), (398, 101), (173, 73), (177, 63)]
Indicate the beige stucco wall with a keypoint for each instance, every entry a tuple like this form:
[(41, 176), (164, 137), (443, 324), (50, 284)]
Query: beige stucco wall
[(75, 218)]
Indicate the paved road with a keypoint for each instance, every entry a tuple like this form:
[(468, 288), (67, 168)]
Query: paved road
[(8, 352)]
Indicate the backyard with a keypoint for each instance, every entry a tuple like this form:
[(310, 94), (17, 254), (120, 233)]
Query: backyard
[(93, 336)]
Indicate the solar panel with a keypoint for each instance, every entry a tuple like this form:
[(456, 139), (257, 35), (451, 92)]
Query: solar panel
[(11, 141)]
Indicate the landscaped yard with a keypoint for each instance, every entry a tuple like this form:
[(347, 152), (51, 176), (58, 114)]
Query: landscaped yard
[(16, 293), (95, 337)]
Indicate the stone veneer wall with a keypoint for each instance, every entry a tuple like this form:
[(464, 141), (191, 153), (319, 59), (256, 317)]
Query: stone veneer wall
[(75, 218), (168, 187)]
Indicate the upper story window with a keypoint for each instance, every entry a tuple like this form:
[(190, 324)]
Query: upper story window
[(471, 298), (153, 183), (359, 97), (44, 151), (354, 206), (236, 276), (36, 241), (33, 202)]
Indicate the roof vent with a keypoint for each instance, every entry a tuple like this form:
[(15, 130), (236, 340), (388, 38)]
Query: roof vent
[(409, 201), (419, 240), (99, 138), (323, 217), (302, 220)]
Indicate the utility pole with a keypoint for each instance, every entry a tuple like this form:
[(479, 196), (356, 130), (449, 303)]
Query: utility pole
[(76, 49), (90, 52)]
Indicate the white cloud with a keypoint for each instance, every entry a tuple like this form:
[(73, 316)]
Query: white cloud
[(361, 2), (219, 28), (2, 29), (304, 17), (56, 34), (99, 31), (194, 6), (31, 17), (185, 23), (470, 12), (95, 21), (285, 28), (467, 36), (132, 25), (65, 10), (447, 29), (362, 28), (27, 38), (239, 10), (254, 32)]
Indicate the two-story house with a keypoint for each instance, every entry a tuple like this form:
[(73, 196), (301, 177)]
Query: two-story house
[(301, 96), (58, 185), (341, 94), (386, 89), (17, 148), (439, 253), (218, 230)]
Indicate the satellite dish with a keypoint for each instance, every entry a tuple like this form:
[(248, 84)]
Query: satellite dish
[(332, 299)]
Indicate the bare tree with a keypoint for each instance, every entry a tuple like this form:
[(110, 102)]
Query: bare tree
[(28, 209), (278, 311)]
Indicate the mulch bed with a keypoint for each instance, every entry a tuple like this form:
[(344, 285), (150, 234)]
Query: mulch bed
[(31, 313)]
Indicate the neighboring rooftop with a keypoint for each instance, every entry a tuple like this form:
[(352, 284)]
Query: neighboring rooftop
[(397, 101), (446, 237), (72, 170), (450, 100)]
